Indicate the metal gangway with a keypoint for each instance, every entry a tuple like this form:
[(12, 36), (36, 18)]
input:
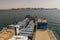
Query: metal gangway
[(28, 30)]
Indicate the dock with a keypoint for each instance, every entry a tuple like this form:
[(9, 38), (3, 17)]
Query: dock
[(44, 35), (28, 30)]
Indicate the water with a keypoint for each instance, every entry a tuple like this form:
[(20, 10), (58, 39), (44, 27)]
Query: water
[(9, 16)]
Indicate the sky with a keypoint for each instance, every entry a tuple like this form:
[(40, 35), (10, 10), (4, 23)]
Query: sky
[(8, 4)]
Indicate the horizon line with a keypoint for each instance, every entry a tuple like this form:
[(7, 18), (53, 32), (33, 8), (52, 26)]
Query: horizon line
[(27, 7)]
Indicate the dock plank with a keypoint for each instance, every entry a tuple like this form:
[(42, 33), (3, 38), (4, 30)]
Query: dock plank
[(42, 35)]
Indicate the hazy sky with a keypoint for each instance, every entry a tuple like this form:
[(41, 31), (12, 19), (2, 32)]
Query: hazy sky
[(7, 4)]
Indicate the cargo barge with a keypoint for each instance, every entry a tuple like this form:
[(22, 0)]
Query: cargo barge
[(30, 28)]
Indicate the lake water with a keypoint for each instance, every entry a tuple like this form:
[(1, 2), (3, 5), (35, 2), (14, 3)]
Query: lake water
[(9, 16)]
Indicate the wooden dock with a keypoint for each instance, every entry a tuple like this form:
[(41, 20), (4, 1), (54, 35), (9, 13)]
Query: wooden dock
[(41, 34), (44, 35)]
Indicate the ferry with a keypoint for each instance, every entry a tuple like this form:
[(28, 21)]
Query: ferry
[(30, 28)]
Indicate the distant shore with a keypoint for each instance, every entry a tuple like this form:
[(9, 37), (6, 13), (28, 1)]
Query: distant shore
[(33, 8)]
